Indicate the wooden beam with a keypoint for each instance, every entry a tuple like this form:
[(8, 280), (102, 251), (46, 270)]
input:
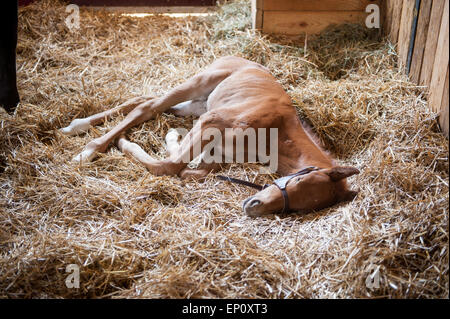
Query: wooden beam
[(257, 14), (317, 5), (421, 34), (440, 63), (431, 43), (156, 10), (396, 17), (307, 22), (412, 38), (144, 3), (388, 6), (404, 34), (444, 114)]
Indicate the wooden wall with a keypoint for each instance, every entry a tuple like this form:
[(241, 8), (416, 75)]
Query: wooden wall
[(297, 17), (420, 29)]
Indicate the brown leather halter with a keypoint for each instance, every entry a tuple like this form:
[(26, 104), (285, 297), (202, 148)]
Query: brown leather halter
[(281, 183)]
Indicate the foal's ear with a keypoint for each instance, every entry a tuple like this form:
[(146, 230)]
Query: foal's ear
[(339, 172)]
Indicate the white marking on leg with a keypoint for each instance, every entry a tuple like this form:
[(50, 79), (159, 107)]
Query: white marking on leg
[(172, 141), (194, 107), (134, 150), (173, 136), (77, 126), (85, 156)]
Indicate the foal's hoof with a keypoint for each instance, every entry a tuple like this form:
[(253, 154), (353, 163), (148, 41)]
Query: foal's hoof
[(85, 156), (77, 126), (172, 136), (90, 152)]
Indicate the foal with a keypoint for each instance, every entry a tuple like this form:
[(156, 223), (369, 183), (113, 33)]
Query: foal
[(239, 94)]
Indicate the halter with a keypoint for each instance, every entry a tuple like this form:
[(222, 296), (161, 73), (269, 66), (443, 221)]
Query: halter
[(281, 183)]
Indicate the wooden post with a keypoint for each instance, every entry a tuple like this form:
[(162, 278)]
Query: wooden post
[(387, 7), (421, 34), (395, 21), (444, 114), (440, 63), (257, 14), (404, 34), (432, 39)]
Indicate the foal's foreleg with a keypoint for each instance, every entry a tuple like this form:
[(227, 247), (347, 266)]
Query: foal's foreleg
[(175, 149), (178, 157), (179, 154), (171, 166), (156, 167), (192, 146)]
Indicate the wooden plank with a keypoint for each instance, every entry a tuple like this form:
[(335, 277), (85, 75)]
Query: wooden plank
[(440, 63), (23, 3), (388, 6), (431, 43), (145, 3), (307, 22), (316, 5), (396, 17), (444, 115), (257, 14), (412, 37), (156, 10), (404, 34), (419, 45)]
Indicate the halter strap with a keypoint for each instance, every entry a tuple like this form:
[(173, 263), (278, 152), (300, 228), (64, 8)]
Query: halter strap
[(241, 182), (281, 183)]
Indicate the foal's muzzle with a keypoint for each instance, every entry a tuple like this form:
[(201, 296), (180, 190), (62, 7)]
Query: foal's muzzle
[(281, 183)]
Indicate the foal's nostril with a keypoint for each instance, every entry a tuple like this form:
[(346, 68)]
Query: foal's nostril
[(254, 202), (245, 202), (250, 202)]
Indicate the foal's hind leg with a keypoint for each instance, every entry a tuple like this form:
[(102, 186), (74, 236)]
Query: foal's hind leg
[(78, 126), (200, 85)]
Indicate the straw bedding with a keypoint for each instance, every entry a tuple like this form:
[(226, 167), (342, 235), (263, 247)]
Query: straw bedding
[(137, 235)]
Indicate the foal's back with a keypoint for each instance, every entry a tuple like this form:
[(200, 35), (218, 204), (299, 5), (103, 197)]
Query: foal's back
[(249, 86)]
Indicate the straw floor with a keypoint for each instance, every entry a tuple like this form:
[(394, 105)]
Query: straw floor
[(135, 235)]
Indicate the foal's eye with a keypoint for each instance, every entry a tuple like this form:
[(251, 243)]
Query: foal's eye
[(298, 179)]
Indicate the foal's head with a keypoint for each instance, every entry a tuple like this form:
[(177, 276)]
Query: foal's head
[(308, 190)]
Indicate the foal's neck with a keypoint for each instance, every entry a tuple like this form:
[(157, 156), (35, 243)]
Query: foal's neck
[(299, 150)]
